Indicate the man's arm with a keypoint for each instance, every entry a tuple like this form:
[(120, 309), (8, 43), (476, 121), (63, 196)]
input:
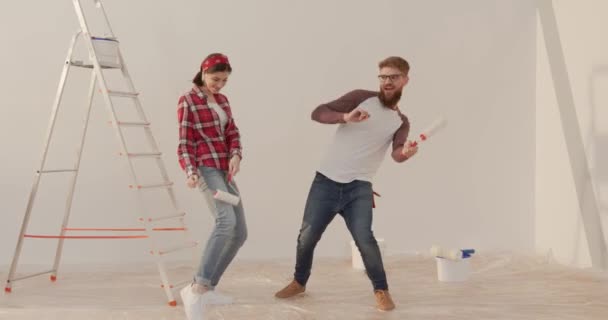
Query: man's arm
[(399, 140), (333, 112)]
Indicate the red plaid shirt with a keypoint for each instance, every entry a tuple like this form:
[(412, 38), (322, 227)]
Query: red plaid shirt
[(201, 142)]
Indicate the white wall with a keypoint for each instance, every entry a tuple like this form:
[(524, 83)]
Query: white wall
[(559, 226), (471, 60)]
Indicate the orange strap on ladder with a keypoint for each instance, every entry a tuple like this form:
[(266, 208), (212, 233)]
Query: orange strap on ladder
[(40, 236)]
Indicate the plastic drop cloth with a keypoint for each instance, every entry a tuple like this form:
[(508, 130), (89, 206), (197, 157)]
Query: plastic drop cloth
[(500, 287)]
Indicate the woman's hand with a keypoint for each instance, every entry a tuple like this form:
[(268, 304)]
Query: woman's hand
[(192, 181), (233, 166)]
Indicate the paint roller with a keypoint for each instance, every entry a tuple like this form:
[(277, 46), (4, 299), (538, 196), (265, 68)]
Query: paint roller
[(221, 195), (451, 254), (436, 126), (226, 197)]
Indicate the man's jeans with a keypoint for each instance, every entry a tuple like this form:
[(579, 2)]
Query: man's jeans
[(353, 201)]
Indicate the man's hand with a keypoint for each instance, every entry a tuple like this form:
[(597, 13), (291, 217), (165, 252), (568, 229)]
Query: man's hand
[(234, 166), (409, 149), (192, 181), (357, 115)]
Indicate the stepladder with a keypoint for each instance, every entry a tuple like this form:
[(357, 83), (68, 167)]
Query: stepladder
[(103, 55)]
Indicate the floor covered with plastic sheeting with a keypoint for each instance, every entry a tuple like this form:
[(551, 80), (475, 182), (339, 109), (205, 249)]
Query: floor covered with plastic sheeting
[(500, 287)]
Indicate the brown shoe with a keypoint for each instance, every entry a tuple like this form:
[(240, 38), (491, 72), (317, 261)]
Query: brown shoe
[(384, 302), (291, 290)]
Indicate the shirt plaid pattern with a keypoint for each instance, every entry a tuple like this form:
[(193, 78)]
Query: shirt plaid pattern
[(201, 142)]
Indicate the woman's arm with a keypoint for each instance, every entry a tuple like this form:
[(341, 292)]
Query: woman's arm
[(188, 140)]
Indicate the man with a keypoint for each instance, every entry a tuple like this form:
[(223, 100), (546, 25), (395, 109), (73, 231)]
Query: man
[(369, 122)]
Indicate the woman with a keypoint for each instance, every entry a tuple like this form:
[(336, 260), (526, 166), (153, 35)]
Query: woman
[(210, 149)]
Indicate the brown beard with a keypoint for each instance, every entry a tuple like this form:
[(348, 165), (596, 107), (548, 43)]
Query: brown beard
[(392, 102)]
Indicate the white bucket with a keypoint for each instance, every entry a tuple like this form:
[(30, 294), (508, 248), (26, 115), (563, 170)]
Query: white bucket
[(453, 270), (107, 52), (357, 260)]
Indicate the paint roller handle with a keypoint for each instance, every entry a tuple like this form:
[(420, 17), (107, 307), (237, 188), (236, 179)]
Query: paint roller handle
[(409, 149)]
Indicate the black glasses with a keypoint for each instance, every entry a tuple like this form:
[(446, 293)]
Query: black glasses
[(392, 77)]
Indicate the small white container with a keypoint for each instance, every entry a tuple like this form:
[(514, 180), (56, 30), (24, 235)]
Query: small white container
[(107, 52), (453, 270), (357, 260)]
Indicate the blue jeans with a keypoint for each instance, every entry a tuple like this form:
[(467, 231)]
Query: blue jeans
[(353, 201), (230, 230)]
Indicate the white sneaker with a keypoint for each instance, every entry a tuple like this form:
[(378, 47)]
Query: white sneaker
[(193, 303), (212, 297)]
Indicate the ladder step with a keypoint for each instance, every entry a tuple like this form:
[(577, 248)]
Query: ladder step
[(133, 124), (124, 94), (173, 216), (31, 275), (176, 248), (152, 186), (80, 64), (56, 170), (143, 154), (105, 38)]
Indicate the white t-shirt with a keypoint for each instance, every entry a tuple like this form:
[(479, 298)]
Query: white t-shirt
[(220, 113), (359, 148)]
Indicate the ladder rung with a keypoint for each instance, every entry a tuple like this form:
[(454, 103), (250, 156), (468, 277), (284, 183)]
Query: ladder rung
[(56, 170), (150, 186), (125, 229), (123, 94), (133, 124), (31, 275), (177, 285), (177, 248), (43, 236), (144, 155), (80, 64), (179, 215), (105, 38)]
